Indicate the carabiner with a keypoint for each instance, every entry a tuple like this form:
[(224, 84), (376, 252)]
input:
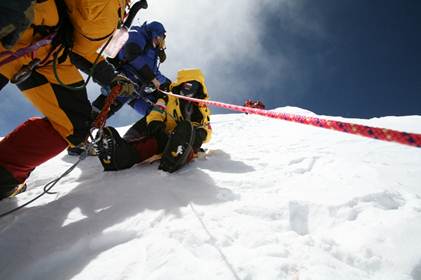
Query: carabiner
[(25, 72)]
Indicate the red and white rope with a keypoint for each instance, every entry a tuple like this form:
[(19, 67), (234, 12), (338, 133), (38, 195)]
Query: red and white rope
[(405, 138)]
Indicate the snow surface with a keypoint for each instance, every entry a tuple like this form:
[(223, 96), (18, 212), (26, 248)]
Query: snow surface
[(273, 200)]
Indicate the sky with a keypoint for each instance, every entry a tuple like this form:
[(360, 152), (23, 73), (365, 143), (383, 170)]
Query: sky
[(256, 208), (341, 58)]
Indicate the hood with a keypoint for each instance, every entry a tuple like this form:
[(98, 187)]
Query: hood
[(155, 29), (194, 74)]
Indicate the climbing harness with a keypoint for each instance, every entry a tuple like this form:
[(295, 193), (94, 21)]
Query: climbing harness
[(25, 72), (12, 56)]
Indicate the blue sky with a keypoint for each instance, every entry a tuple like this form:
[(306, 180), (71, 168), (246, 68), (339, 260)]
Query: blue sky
[(342, 58)]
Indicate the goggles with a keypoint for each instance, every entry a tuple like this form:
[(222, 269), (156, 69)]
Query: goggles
[(190, 89)]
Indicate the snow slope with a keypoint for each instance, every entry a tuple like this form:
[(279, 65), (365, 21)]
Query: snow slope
[(273, 200)]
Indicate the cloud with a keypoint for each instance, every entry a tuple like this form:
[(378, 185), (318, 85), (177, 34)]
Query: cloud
[(228, 41), (215, 36)]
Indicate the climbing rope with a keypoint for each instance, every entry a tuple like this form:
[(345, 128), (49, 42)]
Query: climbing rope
[(405, 138), (98, 123), (24, 51), (91, 70), (47, 187)]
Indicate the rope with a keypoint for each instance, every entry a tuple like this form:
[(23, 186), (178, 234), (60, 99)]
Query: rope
[(99, 124), (91, 70), (214, 243), (25, 51), (46, 190), (384, 134), (102, 117)]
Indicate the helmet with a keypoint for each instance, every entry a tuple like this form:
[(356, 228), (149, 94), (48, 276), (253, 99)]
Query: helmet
[(156, 29)]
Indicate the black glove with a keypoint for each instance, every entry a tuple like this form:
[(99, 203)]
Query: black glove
[(131, 51), (200, 136), (127, 86), (165, 86), (104, 71), (156, 129), (15, 17)]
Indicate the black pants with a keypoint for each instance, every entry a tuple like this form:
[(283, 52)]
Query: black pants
[(3, 81)]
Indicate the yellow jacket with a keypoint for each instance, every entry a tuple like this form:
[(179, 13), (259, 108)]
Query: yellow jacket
[(94, 21), (172, 113)]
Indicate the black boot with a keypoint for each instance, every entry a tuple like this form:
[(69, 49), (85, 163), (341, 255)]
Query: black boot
[(114, 152), (8, 184), (179, 147)]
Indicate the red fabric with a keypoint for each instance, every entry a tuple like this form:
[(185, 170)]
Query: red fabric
[(146, 148), (29, 145)]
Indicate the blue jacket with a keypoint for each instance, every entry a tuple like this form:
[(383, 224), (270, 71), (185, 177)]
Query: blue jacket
[(141, 37)]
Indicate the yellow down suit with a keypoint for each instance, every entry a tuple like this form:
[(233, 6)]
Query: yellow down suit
[(172, 113), (54, 88)]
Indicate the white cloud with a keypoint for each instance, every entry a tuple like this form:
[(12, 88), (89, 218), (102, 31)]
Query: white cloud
[(218, 36), (214, 36), (202, 32)]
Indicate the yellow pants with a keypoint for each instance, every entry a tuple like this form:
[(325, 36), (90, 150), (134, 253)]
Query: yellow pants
[(67, 110)]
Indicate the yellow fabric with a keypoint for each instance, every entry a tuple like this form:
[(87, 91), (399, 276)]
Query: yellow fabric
[(91, 18), (45, 13), (45, 101), (98, 18), (193, 74), (172, 113)]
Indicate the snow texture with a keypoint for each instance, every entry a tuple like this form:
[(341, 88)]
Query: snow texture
[(272, 200)]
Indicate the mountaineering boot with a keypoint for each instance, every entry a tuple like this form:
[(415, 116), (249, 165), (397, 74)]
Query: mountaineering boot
[(114, 152), (178, 150), (8, 184), (19, 189)]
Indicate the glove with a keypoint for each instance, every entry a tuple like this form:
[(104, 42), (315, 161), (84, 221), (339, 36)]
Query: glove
[(156, 129), (156, 83), (127, 86), (165, 86), (200, 136), (15, 17), (131, 51)]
